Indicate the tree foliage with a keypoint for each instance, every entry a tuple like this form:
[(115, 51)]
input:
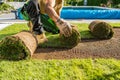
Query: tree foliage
[(90, 2)]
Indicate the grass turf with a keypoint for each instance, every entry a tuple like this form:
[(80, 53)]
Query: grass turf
[(12, 29), (101, 30), (76, 69), (53, 39), (72, 40), (12, 48)]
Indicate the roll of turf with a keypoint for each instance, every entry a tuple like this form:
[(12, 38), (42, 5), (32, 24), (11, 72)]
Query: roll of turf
[(18, 46), (72, 40), (101, 29)]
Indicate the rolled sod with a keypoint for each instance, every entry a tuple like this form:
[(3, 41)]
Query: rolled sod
[(18, 46), (101, 30), (72, 40)]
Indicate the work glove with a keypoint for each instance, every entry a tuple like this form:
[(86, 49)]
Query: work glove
[(64, 27)]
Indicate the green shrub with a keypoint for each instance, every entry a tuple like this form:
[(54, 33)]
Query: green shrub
[(117, 6), (96, 2), (90, 2), (6, 7), (16, 0), (73, 2)]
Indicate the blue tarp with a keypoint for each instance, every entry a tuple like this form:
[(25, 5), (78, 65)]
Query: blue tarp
[(70, 13), (19, 14), (90, 14)]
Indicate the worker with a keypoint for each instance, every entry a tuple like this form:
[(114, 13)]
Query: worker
[(35, 8)]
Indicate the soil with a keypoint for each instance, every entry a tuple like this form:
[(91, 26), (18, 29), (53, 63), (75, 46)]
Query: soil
[(87, 48)]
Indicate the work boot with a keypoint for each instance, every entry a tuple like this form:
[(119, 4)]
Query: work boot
[(30, 26), (41, 38)]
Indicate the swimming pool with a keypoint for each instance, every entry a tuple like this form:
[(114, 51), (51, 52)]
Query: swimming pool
[(90, 12)]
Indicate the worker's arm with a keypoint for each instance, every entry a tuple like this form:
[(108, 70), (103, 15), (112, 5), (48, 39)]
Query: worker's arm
[(64, 26), (50, 10)]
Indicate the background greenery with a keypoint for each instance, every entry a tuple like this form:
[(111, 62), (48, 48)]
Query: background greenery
[(16, 0), (6, 7), (116, 3), (75, 69)]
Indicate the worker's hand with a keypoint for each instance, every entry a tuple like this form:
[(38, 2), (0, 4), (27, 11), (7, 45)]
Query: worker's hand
[(64, 27)]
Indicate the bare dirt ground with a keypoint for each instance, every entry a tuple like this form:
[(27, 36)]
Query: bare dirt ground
[(85, 49)]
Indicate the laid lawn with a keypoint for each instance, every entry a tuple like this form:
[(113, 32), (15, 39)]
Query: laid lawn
[(75, 69), (12, 29)]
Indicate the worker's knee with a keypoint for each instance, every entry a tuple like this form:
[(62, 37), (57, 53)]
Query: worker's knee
[(41, 38)]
